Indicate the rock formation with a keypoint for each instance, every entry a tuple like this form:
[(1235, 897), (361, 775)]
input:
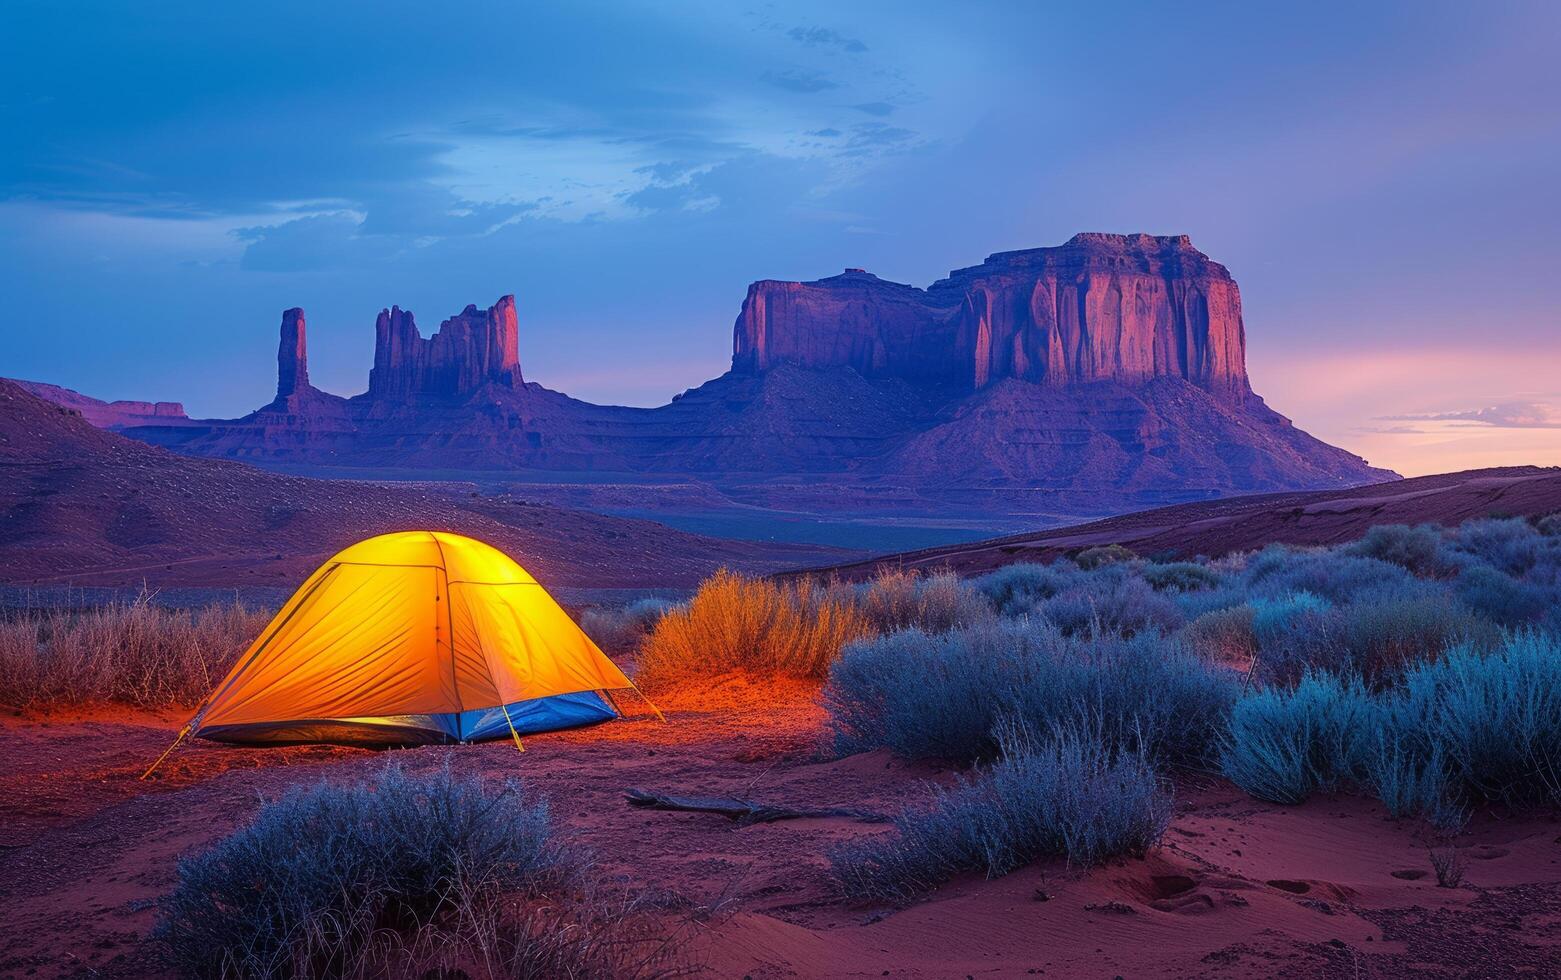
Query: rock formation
[(1124, 308), (292, 356), (112, 415), (1107, 373), (471, 349)]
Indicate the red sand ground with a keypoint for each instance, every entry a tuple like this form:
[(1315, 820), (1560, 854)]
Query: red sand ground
[(1239, 889)]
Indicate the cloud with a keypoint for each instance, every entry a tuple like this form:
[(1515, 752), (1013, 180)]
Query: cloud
[(320, 242), (1510, 415), (827, 133), (825, 37), (870, 138), (875, 108), (801, 80), (426, 211)]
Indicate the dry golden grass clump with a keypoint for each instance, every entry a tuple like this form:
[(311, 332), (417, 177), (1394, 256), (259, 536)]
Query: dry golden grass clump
[(755, 625), (133, 653)]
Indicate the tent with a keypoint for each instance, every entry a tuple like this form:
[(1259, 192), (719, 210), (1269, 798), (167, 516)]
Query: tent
[(413, 637)]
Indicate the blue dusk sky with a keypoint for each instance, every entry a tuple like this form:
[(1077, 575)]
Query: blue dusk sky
[(1381, 178)]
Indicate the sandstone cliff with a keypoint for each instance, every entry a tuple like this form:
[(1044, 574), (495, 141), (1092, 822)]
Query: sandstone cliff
[(1102, 374), (471, 349), (1125, 308), (107, 415)]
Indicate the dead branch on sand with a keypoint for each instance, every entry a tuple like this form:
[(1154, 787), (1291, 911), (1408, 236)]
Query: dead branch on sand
[(744, 812)]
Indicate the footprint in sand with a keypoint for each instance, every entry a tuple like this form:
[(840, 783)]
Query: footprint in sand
[(1409, 874), (1486, 852)]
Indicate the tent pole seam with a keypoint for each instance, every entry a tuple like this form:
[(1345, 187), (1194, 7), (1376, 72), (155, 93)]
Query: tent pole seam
[(449, 625)]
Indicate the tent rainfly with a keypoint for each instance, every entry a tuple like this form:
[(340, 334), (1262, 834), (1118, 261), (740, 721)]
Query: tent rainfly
[(412, 637)]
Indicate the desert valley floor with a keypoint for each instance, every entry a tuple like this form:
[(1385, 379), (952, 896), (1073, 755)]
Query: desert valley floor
[(1240, 888)]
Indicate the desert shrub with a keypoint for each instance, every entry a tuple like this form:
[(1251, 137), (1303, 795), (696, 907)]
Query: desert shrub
[(621, 628), (1410, 783), (1180, 576), (305, 887), (1285, 744), (1511, 544), (1549, 525), (1495, 719), (1418, 549), (1295, 633), (755, 625), (945, 696), (1279, 570), (1223, 635), (1014, 589), (1101, 555), (1205, 601), (889, 600), (1104, 602), (897, 600), (944, 602), (1383, 637), (1071, 794), (1501, 599), (134, 653), (1466, 729)]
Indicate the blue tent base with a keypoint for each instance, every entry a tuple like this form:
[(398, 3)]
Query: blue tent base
[(529, 717)]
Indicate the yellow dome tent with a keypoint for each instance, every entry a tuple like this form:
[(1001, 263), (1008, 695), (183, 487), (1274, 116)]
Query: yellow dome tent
[(412, 637)]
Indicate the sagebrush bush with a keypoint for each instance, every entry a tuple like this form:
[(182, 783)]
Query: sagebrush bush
[(1494, 718), (945, 696), (1110, 601), (1285, 744), (1466, 729), (134, 653), (1280, 570), (897, 600), (1014, 589), (1071, 794), (1223, 635), (754, 625), (1180, 576), (307, 885), (1385, 637), (1503, 600), (1418, 549), (1295, 633), (1109, 554), (1511, 545), (1549, 525), (621, 628)]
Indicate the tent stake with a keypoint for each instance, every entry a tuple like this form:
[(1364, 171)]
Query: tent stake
[(177, 739), (649, 703), (513, 734)]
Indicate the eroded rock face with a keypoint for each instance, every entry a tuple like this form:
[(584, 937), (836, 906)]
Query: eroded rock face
[(1101, 307), (878, 328), (473, 348), (292, 356), (1107, 372), (120, 414)]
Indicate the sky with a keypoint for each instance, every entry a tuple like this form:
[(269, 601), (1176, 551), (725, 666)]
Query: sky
[(1380, 178)]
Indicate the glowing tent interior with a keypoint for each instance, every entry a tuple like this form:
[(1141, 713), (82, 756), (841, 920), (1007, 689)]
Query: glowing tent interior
[(413, 637)]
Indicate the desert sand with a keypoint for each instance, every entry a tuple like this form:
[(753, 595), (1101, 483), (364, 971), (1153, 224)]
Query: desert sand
[(1240, 888)]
